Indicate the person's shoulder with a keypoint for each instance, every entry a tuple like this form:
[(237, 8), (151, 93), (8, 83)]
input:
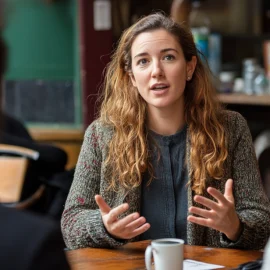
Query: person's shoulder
[(236, 126), (232, 116), (233, 120), (98, 127)]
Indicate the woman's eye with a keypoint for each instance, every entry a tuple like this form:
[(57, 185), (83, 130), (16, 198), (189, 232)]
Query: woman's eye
[(142, 62), (169, 57)]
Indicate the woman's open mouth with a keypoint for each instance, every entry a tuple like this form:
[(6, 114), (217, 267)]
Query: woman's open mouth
[(159, 87)]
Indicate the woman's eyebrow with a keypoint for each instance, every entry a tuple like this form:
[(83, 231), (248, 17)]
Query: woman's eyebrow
[(169, 49), (162, 51), (141, 54)]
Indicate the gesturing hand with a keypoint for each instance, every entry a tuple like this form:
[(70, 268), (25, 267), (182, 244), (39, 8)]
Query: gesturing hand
[(125, 228), (220, 215)]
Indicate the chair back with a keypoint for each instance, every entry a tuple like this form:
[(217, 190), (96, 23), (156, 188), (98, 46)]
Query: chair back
[(262, 142), (12, 171), (262, 150), (14, 162)]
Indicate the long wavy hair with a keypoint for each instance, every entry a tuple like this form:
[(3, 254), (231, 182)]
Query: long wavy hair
[(125, 110)]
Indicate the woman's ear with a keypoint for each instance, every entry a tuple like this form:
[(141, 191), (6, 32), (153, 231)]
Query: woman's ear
[(191, 65), (132, 79)]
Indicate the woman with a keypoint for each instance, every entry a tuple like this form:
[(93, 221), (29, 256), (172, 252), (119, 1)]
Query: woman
[(162, 147)]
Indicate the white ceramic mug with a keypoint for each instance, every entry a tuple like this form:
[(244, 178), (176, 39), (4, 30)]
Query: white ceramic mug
[(168, 254)]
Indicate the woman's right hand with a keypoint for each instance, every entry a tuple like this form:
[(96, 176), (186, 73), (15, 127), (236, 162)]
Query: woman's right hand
[(125, 228)]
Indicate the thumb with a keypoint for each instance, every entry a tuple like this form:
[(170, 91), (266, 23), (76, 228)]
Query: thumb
[(103, 206), (228, 194)]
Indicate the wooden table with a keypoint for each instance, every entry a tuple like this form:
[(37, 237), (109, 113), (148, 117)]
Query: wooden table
[(131, 257)]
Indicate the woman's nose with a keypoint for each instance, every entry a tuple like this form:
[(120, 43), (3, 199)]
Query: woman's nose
[(157, 69)]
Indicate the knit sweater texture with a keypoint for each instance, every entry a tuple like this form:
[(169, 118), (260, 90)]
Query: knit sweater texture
[(82, 224)]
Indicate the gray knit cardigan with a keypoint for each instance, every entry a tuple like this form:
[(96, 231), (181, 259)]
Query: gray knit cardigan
[(82, 224)]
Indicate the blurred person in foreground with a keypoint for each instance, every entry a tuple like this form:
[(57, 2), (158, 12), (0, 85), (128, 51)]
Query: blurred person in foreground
[(28, 242), (49, 168), (164, 159)]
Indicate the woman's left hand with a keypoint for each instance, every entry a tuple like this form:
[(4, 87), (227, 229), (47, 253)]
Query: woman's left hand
[(220, 215)]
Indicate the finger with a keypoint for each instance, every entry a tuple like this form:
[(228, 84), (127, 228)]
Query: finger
[(140, 230), (136, 223), (124, 222), (103, 206), (206, 202), (229, 190), (200, 221), (117, 211), (217, 195), (201, 212)]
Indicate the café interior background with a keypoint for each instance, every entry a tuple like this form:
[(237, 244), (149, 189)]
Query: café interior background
[(57, 56)]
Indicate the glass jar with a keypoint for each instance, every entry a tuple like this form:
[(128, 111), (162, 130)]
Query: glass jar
[(261, 83), (226, 82), (250, 71)]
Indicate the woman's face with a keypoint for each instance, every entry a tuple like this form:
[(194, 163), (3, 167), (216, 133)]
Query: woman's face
[(159, 69)]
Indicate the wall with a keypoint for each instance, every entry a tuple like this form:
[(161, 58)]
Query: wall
[(95, 49), (40, 39), (43, 77)]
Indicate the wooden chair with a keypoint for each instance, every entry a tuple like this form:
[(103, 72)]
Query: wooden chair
[(14, 163)]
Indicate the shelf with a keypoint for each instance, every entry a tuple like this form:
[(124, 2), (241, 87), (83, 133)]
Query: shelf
[(56, 135), (70, 140), (263, 100), (247, 36)]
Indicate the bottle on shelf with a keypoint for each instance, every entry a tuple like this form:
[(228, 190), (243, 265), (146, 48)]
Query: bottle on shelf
[(214, 53), (238, 86), (200, 27), (250, 72), (226, 82), (261, 83), (207, 42)]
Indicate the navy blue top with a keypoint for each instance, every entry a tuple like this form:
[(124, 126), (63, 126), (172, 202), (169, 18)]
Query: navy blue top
[(164, 201)]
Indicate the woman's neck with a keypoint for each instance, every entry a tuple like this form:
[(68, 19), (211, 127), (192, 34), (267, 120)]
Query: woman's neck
[(166, 122)]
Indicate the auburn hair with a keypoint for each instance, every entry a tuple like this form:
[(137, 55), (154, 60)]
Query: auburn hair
[(125, 111)]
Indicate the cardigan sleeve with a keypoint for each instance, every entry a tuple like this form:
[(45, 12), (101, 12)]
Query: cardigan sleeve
[(81, 222), (251, 202)]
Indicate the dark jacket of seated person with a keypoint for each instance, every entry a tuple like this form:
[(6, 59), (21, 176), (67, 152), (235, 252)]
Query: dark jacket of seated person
[(30, 242), (50, 165), (51, 160)]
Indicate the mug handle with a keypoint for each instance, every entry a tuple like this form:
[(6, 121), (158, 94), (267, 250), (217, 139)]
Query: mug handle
[(148, 257)]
